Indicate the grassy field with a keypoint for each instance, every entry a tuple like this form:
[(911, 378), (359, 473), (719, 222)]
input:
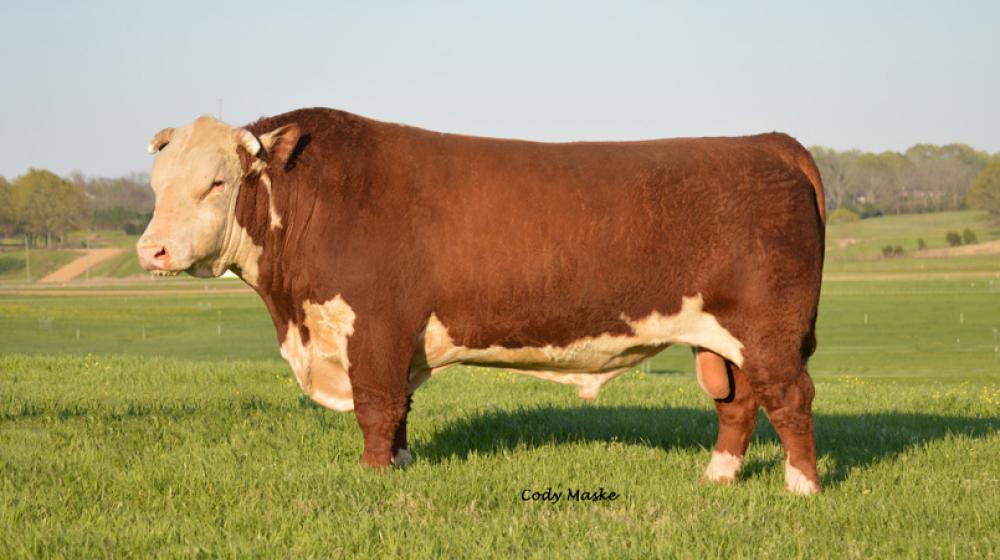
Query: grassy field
[(16, 267), (13, 260), (865, 238), (163, 424)]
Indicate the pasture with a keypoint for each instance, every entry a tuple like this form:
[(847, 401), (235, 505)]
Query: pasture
[(157, 419)]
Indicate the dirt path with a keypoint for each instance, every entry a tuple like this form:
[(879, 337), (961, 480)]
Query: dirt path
[(79, 266)]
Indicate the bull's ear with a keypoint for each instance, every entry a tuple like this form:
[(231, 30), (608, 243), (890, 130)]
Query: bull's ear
[(280, 143), (160, 139)]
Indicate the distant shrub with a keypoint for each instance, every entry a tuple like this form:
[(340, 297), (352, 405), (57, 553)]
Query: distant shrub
[(10, 264), (968, 236), (867, 210), (842, 216), (889, 251), (953, 238), (921, 244)]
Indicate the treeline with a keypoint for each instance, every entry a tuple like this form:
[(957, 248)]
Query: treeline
[(924, 178), (43, 207)]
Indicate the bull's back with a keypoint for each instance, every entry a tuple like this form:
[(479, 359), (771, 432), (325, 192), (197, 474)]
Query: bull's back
[(631, 227)]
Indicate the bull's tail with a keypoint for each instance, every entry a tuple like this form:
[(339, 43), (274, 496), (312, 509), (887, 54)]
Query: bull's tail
[(808, 166)]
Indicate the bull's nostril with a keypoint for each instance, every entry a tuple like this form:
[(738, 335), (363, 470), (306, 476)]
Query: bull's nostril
[(161, 253)]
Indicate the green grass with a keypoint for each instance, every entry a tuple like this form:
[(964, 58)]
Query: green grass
[(42, 261), (124, 265), (211, 448), (103, 456), (867, 237), (187, 326), (856, 248)]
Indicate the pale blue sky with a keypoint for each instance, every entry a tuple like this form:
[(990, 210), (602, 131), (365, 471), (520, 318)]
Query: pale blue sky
[(86, 84)]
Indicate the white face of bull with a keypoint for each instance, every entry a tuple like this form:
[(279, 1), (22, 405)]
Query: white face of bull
[(196, 177)]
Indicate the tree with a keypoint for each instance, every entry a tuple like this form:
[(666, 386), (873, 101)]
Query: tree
[(985, 191), (48, 205), (8, 219), (923, 179), (833, 169), (117, 203), (945, 173)]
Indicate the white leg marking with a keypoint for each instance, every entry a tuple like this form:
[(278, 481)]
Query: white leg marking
[(798, 483), (723, 467)]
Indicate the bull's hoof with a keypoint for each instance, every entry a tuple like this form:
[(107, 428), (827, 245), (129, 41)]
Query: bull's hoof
[(719, 481), (723, 467), (402, 459)]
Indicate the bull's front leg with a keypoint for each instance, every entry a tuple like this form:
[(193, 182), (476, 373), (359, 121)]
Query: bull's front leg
[(379, 413), (380, 382), (401, 456)]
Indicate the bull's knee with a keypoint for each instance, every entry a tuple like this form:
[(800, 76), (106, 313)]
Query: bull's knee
[(713, 374)]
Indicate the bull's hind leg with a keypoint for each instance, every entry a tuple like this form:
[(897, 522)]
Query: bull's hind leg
[(737, 417), (786, 391)]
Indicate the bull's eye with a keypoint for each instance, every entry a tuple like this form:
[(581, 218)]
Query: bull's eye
[(216, 185)]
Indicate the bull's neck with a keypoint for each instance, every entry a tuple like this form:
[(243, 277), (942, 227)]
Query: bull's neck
[(241, 255), (240, 252)]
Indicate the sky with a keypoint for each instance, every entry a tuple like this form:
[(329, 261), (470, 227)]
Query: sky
[(85, 85)]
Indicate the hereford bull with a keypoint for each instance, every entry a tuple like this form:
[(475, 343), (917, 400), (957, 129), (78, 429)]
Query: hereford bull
[(385, 252)]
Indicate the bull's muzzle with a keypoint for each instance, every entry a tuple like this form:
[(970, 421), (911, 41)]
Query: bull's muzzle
[(153, 256)]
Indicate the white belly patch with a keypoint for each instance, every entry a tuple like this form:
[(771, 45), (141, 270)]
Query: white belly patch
[(598, 354)]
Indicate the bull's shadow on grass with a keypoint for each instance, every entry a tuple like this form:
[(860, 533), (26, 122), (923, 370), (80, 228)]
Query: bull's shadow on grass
[(846, 441)]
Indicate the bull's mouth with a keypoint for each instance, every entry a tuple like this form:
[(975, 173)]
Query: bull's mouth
[(205, 268)]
